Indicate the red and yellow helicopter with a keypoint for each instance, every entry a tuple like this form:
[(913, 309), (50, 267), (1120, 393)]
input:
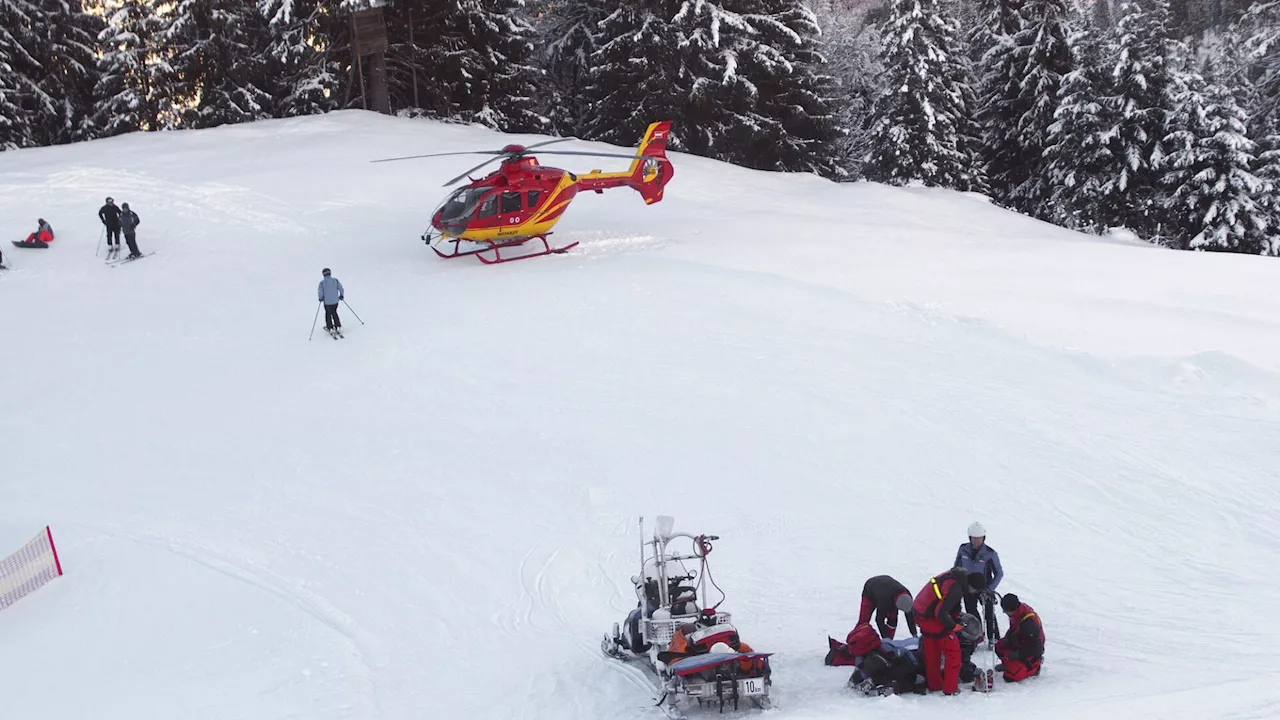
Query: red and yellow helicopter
[(522, 200)]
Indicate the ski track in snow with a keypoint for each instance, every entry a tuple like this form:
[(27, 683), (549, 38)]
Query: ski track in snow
[(309, 604), (437, 516)]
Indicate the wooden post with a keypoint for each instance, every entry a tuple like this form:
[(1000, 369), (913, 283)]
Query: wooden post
[(378, 83), (369, 37), (413, 63)]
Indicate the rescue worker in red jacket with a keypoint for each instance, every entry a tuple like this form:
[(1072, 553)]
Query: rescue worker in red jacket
[(936, 611), (885, 596), (1022, 648)]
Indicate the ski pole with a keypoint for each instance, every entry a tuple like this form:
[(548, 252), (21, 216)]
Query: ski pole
[(100, 234), (353, 312), (313, 323)]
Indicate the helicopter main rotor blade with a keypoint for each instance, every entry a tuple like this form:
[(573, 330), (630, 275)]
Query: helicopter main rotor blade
[(547, 142), (466, 152), (465, 174), (596, 154)]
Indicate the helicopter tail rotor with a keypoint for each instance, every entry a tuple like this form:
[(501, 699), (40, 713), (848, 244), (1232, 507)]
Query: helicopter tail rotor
[(652, 171)]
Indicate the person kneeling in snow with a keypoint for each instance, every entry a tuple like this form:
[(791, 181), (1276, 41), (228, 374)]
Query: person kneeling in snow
[(1022, 648)]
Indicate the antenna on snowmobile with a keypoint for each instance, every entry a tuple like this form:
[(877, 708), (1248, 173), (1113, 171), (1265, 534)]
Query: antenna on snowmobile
[(641, 548)]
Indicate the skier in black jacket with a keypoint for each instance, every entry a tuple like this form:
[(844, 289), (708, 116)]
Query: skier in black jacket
[(109, 214), (129, 222)]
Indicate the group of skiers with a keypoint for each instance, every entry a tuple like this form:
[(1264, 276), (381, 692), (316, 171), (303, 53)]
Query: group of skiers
[(948, 636), (115, 219)]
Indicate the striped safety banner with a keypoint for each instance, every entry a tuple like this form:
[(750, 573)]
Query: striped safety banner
[(27, 570)]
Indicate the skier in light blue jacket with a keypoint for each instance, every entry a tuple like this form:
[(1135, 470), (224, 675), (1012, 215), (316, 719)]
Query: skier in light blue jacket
[(979, 558), (330, 292)]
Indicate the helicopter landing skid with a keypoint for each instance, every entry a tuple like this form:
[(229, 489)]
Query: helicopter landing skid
[(547, 249), (497, 248)]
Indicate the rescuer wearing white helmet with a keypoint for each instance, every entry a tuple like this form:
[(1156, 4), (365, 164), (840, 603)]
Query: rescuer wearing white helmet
[(980, 560)]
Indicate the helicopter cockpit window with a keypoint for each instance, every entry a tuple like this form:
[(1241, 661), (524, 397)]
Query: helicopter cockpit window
[(460, 206), (532, 200), (510, 202), (489, 207)]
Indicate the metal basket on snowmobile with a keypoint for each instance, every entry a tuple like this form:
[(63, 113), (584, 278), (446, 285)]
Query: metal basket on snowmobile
[(691, 648)]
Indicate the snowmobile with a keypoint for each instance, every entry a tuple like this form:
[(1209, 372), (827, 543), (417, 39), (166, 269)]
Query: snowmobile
[(688, 646)]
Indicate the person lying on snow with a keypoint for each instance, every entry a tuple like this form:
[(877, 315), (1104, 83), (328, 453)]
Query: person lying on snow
[(43, 233), (886, 667), (706, 636), (1022, 648)]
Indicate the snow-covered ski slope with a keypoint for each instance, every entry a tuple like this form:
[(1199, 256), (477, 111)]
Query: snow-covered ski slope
[(436, 517)]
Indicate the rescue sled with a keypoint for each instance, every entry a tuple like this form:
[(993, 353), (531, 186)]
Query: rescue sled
[(689, 648)]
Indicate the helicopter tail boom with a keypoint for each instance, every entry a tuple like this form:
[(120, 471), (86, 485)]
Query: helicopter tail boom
[(649, 172)]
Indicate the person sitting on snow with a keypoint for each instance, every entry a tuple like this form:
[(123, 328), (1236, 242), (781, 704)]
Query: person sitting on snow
[(1022, 647), (43, 233)]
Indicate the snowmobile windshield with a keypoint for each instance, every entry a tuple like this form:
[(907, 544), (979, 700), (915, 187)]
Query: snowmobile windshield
[(459, 209)]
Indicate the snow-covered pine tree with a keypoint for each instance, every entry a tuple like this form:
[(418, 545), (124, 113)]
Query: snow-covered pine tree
[(740, 79), (565, 32), (999, 104), (1078, 158), (852, 46), (132, 90), (304, 80), (221, 72), (1267, 169), (16, 19), (921, 109), (638, 76), (1261, 30), (1042, 53), (474, 61), (792, 125), (1214, 194), (960, 74), (47, 60), (61, 110), (1140, 84)]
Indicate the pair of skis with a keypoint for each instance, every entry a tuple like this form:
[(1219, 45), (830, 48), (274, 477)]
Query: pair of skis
[(335, 333), (985, 680), (115, 259)]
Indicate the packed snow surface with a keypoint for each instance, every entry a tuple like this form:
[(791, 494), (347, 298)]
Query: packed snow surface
[(436, 517)]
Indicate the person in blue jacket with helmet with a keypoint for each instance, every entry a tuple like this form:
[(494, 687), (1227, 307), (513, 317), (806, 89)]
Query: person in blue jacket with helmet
[(979, 558), (330, 293)]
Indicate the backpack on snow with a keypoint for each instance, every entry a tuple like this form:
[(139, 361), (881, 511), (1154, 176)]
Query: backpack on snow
[(862, 640)]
